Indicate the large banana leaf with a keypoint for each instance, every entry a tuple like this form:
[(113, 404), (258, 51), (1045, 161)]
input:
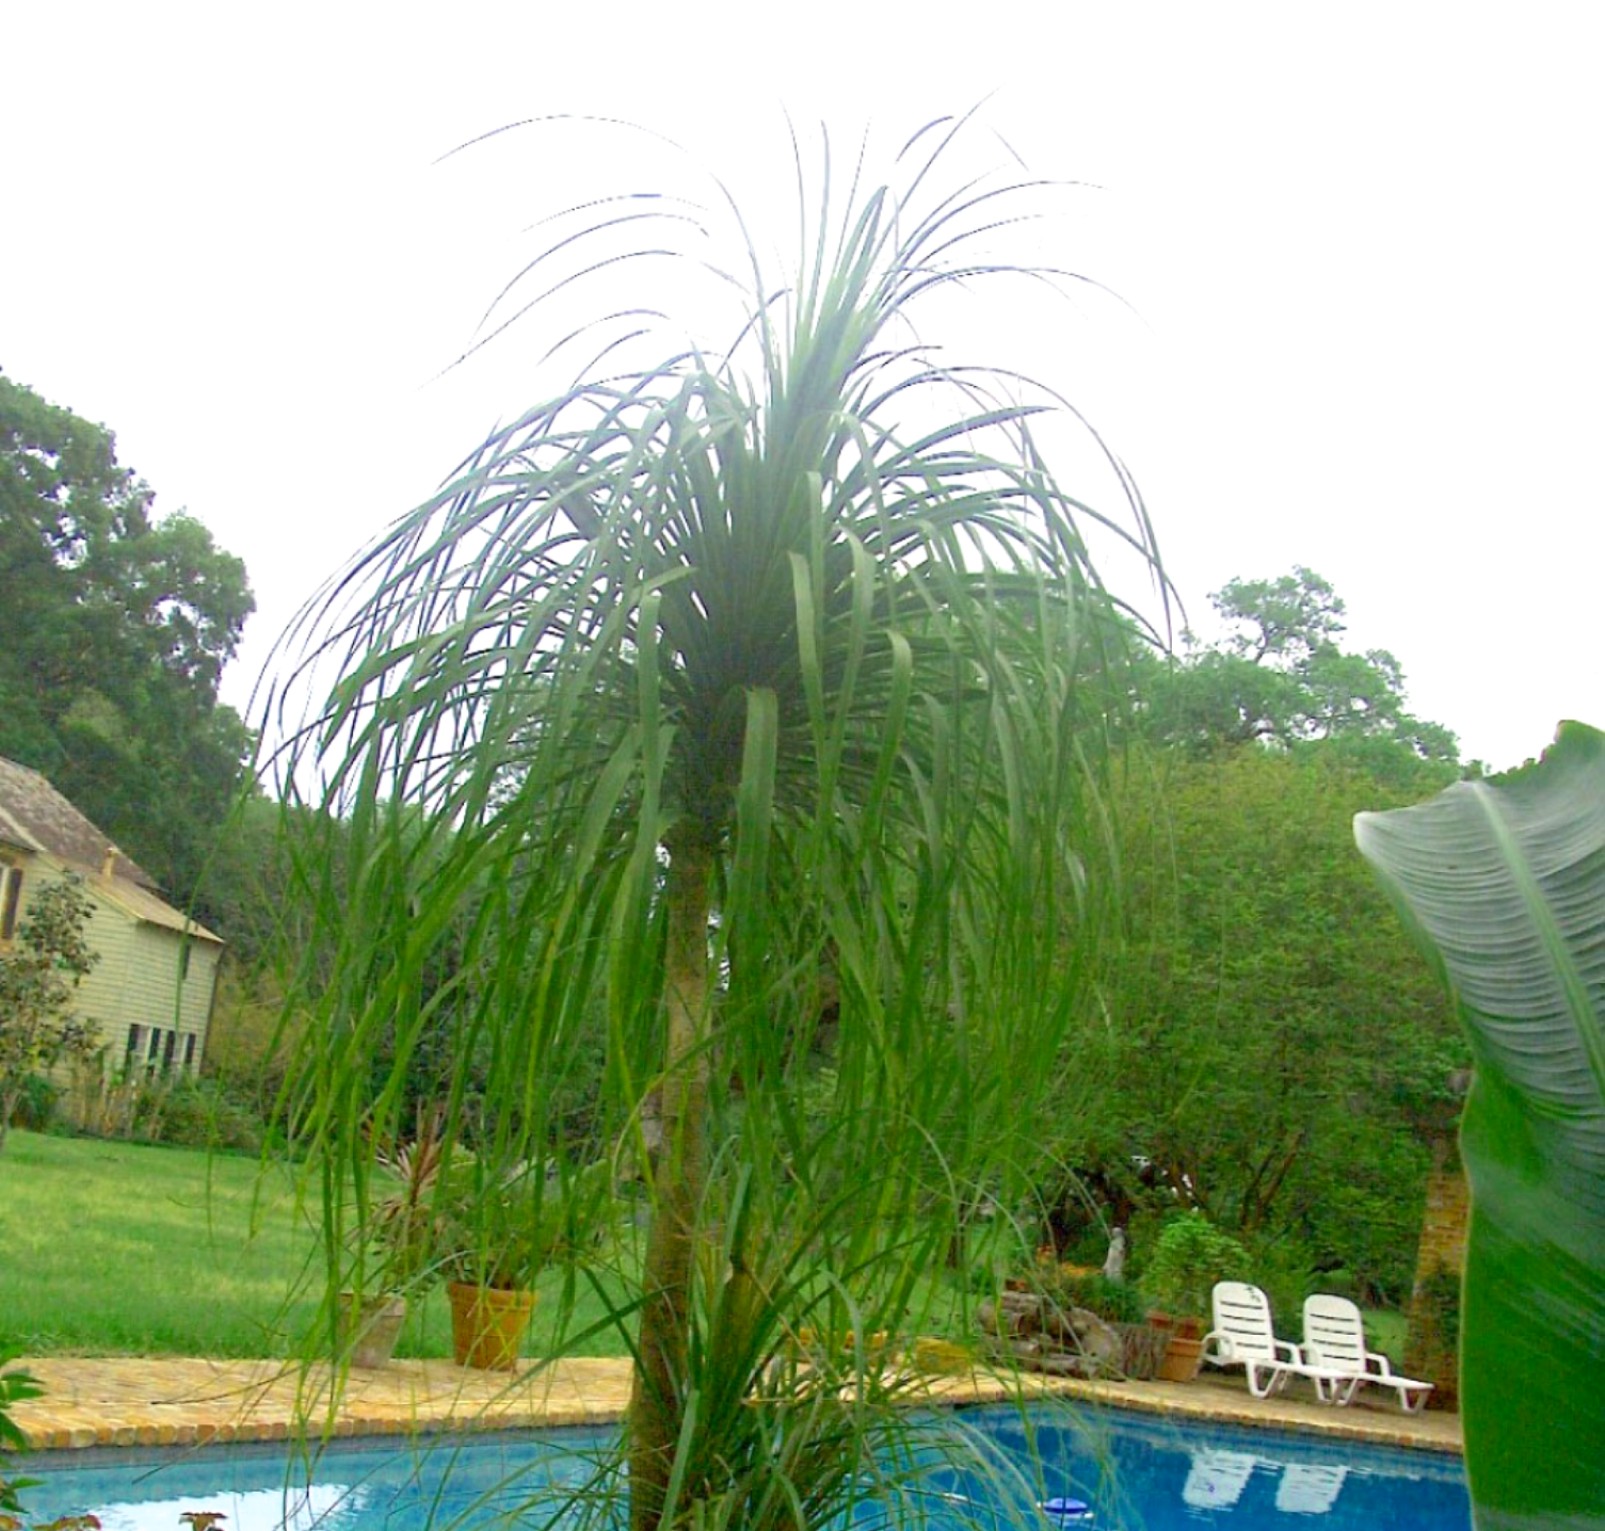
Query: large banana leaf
[(1503, 882)]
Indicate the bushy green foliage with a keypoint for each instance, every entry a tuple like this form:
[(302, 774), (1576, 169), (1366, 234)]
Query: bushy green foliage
[(1119, 1302), (1284, 1269), (38, 977), (37, 1104), (1280, 678), (1440, 1293), (192, 1111), (1190, 1255), (162, 1106), (248, 1040), (1272, 1050), (1276, 1046)]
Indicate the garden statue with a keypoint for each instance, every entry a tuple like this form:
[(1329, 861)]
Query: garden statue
[(1114, 1263)]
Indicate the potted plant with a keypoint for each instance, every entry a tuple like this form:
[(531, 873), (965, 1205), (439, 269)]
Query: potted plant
[(400, 1253), (1190, 1255), (499, 1227)]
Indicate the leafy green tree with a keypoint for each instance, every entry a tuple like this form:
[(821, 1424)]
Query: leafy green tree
[(1278, 1047), (49, 956), (732, 693), (118, 629), (1280, 678), (252, 891), (1276, 1043), (248, 883)]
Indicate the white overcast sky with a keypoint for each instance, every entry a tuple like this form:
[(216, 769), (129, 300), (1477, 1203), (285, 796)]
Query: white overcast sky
[(1363, 249)]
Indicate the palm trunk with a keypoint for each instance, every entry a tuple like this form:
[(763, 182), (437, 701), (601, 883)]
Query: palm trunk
[(679, 1177)]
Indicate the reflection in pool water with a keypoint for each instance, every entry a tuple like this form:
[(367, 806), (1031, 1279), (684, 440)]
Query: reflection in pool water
[(1131, 1471), (1141, 1471)]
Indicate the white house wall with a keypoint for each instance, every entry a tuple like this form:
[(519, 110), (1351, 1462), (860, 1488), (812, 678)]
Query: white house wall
[(137, 983), (149, 994)]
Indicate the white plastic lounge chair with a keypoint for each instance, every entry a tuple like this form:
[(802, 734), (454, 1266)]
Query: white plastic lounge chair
[(1307, 1488), (1216, 1479), (1334, 1353), (1243, 1336)]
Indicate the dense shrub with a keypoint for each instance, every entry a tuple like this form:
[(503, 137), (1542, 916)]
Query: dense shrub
[(35, 1110), (248, 1040), (189, 1111), (1190, 1256), (185, 1110), (1115, 1301), (1285, 1270)]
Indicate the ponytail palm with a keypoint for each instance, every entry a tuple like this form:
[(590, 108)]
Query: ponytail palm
[(742, 714)]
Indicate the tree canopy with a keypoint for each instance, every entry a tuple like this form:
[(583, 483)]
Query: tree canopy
[(1276, 1045), (1280, 677), (1279, 1044), (118, 628)]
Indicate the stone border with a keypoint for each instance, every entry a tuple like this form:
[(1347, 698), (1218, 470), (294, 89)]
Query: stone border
[(159, 1402)]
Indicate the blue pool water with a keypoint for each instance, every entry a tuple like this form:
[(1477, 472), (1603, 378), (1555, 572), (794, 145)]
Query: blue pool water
[(1141, 1471), (1133, 1472)]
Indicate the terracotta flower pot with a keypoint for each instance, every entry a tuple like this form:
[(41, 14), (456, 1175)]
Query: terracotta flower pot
[(373, 1325), (1183, 1356), (488, 1325)]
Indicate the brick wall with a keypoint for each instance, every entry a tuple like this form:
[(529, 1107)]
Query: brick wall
[(1431, 1350)]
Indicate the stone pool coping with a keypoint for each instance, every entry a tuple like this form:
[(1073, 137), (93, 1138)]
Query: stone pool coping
[(119, 1401)]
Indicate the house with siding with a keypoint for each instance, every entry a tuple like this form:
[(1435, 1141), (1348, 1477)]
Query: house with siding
[(150, 994)]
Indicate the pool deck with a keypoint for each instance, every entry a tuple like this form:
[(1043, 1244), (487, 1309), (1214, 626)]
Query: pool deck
[(124, 1401)]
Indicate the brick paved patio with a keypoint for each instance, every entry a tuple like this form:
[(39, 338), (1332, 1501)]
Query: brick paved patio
[(132, 1401)]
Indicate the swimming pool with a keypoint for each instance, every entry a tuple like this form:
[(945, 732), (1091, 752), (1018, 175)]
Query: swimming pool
[(1132, 1471)]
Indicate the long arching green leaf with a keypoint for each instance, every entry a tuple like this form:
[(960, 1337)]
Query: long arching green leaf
[(1503, 883)]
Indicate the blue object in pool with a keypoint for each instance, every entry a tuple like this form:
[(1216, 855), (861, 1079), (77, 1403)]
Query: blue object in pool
[(1066, 1510)]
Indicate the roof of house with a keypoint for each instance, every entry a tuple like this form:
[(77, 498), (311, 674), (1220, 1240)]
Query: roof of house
[(145, 905), (36, 817)]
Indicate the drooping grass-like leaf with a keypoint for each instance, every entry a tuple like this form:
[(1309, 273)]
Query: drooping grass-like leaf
[(1503, 882)]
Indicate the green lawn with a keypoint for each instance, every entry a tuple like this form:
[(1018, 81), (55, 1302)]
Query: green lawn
[(1387, 1332), (112, 1247)]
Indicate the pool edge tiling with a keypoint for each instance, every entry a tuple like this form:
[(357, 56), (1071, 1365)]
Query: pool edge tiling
[(161, 1401)]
